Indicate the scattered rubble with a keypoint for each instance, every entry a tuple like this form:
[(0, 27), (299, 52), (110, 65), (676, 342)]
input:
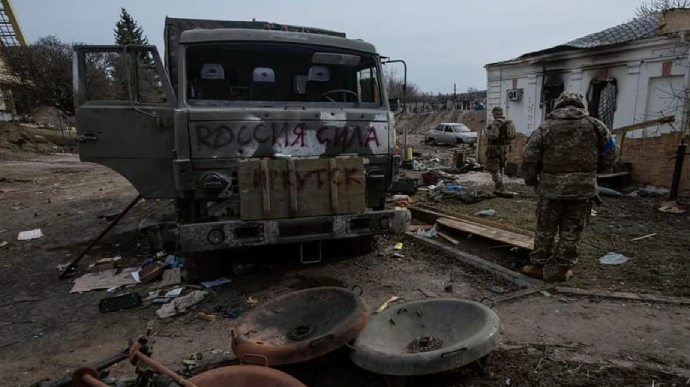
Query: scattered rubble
[(180, 305)]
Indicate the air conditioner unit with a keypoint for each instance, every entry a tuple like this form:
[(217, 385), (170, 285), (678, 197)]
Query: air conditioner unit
[(515, 95)]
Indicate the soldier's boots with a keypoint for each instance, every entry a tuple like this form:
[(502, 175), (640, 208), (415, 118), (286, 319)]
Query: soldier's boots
[(557, 273), (534, 270)]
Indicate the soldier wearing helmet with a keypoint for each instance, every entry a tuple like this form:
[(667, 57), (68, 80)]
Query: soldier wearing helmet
[(562, 159), (499, 134)]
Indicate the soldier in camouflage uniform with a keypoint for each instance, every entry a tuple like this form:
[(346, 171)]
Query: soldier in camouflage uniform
[(562, 159), (496, 148)]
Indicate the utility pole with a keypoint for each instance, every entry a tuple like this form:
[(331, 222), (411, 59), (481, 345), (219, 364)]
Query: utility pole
[(455, 92)]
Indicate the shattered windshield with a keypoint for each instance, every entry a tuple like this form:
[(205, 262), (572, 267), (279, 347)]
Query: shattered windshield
[(275, 75)]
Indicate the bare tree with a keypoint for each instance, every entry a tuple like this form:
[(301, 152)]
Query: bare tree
[(394, 86), (41, 75), (653, 7)]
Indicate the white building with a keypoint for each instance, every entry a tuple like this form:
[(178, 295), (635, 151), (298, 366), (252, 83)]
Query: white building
[(634, 72)]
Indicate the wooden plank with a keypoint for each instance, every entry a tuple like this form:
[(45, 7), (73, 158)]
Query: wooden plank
[(333, 179), (429, 215), (645, 124), (351, 185), (449, 238), (292, 187), (508, 237), (265, 188), (472, 260), (622, 295), (612, 175), (522, 293)]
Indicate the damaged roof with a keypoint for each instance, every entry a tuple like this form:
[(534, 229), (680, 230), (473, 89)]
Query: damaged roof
[(662, 23)]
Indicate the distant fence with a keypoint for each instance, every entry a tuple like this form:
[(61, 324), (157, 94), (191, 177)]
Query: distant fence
[(436, 106)]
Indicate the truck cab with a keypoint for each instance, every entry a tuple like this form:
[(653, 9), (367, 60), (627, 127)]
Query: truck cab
[(259, 136)]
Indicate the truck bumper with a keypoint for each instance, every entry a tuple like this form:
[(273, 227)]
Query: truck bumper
[(229, 234)]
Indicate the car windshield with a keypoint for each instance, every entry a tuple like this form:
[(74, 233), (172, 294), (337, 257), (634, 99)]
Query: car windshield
[(271, 74), (460, 128)]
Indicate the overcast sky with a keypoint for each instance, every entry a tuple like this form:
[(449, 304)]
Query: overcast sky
[(443, 41)]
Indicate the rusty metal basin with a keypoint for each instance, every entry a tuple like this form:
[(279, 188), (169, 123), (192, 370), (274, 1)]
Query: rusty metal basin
[(245, 376), (301, 325), (426, 337)]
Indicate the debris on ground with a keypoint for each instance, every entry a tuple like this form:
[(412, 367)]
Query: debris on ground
[(448, 238), (430, 233), (218, 282), (609, 192), (171, 277), (430, 178), (386, 304), (613, 259), (4, 244), (398, 246), (243, 268), (103, 280), (233, 312), (207, 317), (454, 187), (104, 263), (180, 305), (24, 298), (149, 273), (486, 213), (29, 235), (671, 207), (252, 301), (174, 293), (465, 196), (448, 289), (427, 292), (118, 303), (643, 237)]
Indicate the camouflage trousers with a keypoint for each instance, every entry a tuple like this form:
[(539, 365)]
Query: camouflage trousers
[(567, 218), (495, 162)]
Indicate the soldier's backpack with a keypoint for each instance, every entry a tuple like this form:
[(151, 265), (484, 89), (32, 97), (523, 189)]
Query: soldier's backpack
[(508, 132)]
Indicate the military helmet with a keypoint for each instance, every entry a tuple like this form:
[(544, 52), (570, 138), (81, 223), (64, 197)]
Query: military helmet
[(569, 98), (497, 110)]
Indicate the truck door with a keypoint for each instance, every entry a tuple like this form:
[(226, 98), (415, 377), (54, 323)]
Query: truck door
[(124, 113)]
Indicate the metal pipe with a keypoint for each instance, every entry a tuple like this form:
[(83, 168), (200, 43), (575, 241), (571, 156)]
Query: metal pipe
[(135, 356), (103, 364), (404, 150), (93, 382), (93, 243), (677, 170)]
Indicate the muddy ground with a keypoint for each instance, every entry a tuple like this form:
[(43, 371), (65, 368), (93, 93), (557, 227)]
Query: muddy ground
[(45, 331), (658, 264)]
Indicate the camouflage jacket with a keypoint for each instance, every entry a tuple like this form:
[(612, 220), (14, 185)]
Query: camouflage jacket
[(564, 155), (493, 131)]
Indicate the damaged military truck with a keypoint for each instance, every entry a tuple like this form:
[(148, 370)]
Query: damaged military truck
[(259, 133)]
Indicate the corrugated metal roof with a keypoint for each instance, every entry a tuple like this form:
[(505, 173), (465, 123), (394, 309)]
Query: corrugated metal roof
[(640, 28), (635, 29)]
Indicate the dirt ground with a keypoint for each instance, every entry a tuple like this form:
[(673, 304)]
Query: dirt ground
[(548, 340)]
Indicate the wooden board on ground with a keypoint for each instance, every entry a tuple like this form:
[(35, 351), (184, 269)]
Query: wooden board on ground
[(511, 238), (449, 238), (428, 215)]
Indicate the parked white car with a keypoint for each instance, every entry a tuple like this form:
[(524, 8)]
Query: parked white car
[(450, 133)]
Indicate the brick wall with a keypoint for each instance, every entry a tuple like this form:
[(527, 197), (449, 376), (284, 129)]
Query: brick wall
[(650, 158)]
